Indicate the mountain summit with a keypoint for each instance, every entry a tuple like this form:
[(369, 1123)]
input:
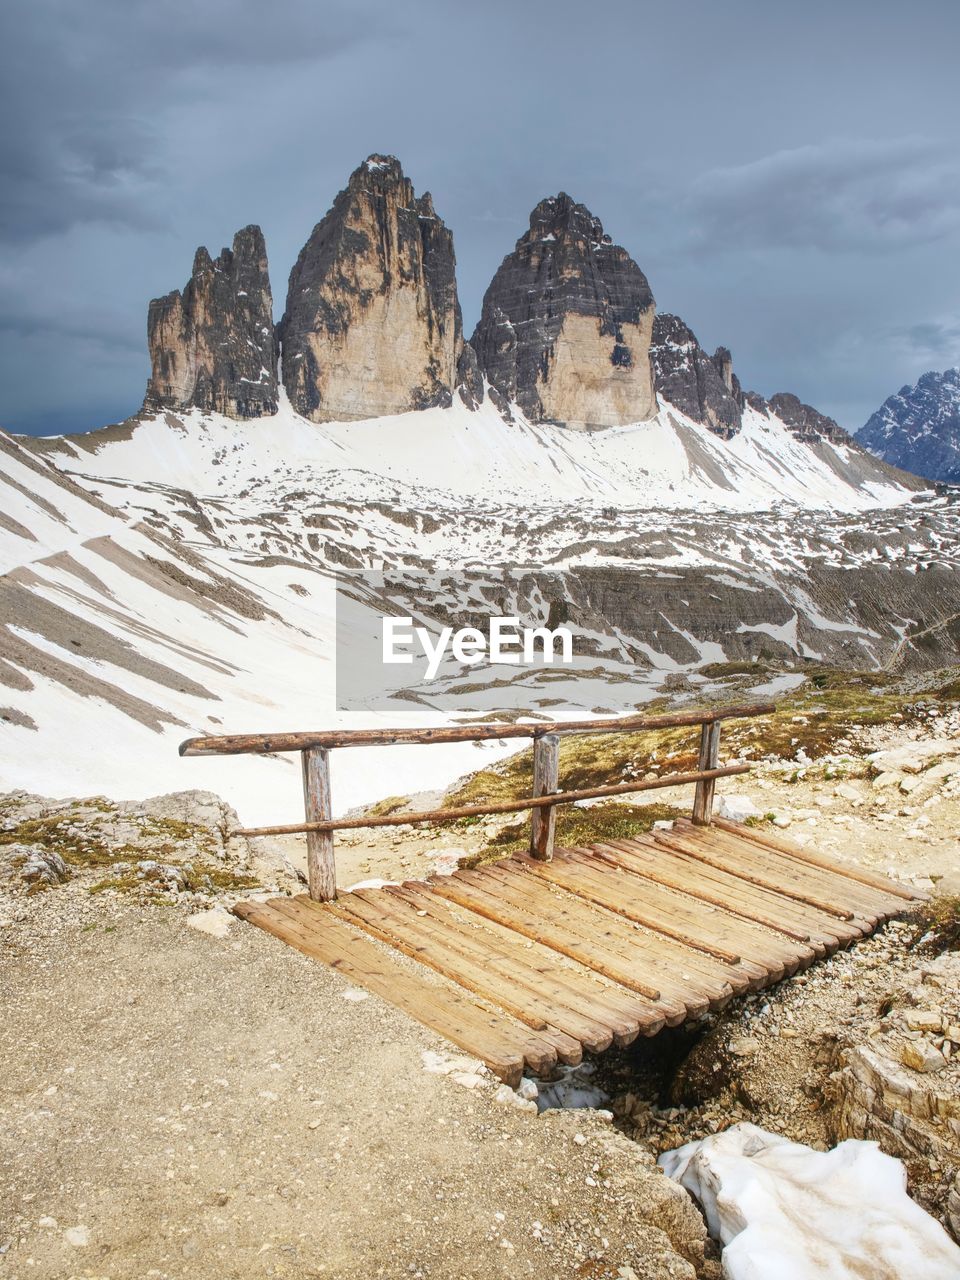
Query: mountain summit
[(212, 344), (566, 323), (918, 429), (372, 325)]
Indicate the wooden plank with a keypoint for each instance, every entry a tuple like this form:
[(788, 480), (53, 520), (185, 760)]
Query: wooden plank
[(477, 969), (713, 849), (808, 886), (709, 758), (485, 900), (659, 909), (665, 865), (868, 905), (546, 775), (321, 867), (760, 917), (788, 847), (789, 911), (709, 924), (566, 1049), (825, 933), (503, 1045), (576, 987), (684, 975), (233, 744)]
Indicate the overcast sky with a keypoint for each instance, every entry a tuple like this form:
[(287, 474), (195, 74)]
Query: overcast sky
[(787, 175)]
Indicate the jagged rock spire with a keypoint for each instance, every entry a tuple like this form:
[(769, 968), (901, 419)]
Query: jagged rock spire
[(703, 387), (212, 344), (566, 322), (372, 323)]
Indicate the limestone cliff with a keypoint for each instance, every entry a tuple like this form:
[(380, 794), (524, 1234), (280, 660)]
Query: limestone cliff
[(703, 387), (212, 344), (566, 323), (372, 324)]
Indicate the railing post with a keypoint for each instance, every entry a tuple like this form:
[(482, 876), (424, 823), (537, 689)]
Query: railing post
[(321, 868), (709, 758), (546, 776)]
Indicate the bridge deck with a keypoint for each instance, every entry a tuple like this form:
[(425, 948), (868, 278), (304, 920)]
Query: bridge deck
[(525, 963)]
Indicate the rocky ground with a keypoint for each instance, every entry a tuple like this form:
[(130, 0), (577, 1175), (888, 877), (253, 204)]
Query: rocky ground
[(184, 1097), (181, 1105)]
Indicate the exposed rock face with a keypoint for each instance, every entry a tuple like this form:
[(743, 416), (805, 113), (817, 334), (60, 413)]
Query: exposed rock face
[(469, 378), (902, 1092), (703, 387), (372, 324), (919, 428), (566, 323), (212, 345), (806, 423)]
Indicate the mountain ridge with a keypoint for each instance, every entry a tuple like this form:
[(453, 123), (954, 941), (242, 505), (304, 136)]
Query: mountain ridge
[(372, 326), (918, 428)]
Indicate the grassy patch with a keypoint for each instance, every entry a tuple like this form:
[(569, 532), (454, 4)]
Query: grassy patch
[(579, 826), (388, 805), (818, 719), (78, 843), (938, 925)]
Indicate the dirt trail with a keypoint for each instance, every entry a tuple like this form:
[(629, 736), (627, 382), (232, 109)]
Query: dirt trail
[(177, 1105)]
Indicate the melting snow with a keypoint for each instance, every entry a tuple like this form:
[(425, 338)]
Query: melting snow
[(783, 1211)]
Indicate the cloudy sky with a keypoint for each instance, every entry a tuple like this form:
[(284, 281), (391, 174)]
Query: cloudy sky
[(787, 175)]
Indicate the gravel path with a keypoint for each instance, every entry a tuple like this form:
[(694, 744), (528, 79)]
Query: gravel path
[(179, 1105)]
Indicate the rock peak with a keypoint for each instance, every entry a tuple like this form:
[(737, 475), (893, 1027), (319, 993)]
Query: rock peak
[(378, 171), (372, 323), (212, 343), (565, 326), (702, 387), (561, 215)]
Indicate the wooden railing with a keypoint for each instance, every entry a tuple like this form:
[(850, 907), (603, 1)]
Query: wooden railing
[(315, 751)]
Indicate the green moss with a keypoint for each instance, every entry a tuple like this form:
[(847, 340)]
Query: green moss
[(759, 820), (221, 878)]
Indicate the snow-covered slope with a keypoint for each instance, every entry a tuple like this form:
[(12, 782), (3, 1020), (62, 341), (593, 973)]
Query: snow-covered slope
[(116, 643), (456, 454), (175, 575)]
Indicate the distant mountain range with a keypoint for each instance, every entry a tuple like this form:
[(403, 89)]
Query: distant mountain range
[(569, 331), (918, 429)]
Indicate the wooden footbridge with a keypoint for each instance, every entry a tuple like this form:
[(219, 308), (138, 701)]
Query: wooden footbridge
[(528, 961)]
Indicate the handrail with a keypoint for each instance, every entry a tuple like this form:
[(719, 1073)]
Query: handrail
[(315, 754), (495, 806), (237, 744)]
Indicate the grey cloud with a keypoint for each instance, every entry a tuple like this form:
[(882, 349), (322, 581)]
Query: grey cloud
[(88, 88), (842, 195), (936, 340)]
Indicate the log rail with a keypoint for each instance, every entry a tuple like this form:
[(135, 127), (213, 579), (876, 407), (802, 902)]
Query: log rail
[(319, 824)]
